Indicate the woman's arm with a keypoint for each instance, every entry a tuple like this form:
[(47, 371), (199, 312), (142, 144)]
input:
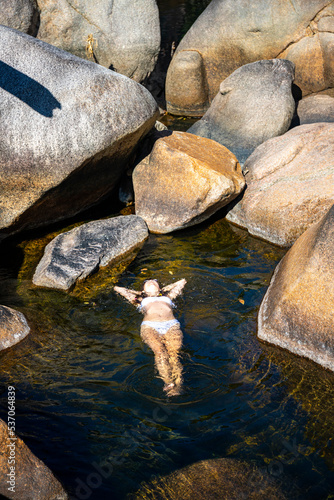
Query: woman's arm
[(174, 289), (130, 295)]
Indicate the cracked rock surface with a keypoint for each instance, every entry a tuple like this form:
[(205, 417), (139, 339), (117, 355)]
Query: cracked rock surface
[(297, 310), (74, 255), (231, 33), (290, 184)]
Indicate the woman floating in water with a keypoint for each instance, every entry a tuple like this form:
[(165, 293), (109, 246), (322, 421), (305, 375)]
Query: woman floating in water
[(159, 329)]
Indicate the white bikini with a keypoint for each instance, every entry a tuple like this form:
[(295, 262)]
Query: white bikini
[(161, 327)]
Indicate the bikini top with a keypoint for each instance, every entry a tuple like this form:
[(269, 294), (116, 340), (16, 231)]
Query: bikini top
[(149, 300)]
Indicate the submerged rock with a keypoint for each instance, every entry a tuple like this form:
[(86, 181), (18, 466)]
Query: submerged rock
[(253, 104), (68, 128), (183, 181), (73, 255), (315, 109), (33, 479), (13, 327), (290, 184), (223, 478), (120, 34), (297, 310), (231, 33), (21, 15)]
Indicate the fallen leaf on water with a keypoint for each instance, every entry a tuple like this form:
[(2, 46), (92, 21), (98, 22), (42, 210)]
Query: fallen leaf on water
[(241, 301)]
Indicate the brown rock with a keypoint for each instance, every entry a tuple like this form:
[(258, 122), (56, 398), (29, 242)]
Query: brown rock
[(315, 109), (33, 479), (221, 478), (297, 310), (290, 184), (183, 181), (231, 33), (13, 327)]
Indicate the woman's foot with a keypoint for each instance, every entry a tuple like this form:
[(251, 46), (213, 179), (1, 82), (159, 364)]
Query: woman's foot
[(172, 389), (169, 387)]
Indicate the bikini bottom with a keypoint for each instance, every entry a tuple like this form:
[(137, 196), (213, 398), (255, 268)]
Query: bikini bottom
[(161, 327)]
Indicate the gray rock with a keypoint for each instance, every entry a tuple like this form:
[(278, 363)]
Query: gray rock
[(73, 255), (254, 104), (68, 129), (21, 15), (120, 34), (297, 310), (13, 327), (231, 33), (317, 108), (290, 184)]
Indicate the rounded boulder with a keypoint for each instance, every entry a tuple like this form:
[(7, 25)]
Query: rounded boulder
[(184, 180), (290, 184), (297, 310)]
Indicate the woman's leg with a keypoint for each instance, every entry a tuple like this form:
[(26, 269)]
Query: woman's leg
[(173, 343), (152, 338)]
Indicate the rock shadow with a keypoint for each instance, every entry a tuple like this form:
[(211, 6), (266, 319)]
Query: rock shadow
[(28, 90)]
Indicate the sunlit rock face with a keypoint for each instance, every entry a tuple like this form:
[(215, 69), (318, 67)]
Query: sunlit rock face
[(231, 33), (297, 310), (253, 104), (184, 180), (290, 184), (119, 34), (69, 127)]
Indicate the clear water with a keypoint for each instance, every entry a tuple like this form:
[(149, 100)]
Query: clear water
[(87, 391)]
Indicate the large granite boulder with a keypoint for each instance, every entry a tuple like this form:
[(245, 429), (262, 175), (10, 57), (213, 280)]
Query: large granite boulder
[(21, 15), (231, 33), (68, 129), (290, 184), (314, 109), (120, 34), (253, 104), (74, 255), (297, 310), (28, 477), (13, 327), (221, 478), (183, 181)]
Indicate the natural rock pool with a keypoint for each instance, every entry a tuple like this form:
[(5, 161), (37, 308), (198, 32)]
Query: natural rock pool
[(86, 389)]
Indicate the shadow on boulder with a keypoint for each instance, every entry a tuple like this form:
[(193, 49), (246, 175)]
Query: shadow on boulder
[(28, 90)]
